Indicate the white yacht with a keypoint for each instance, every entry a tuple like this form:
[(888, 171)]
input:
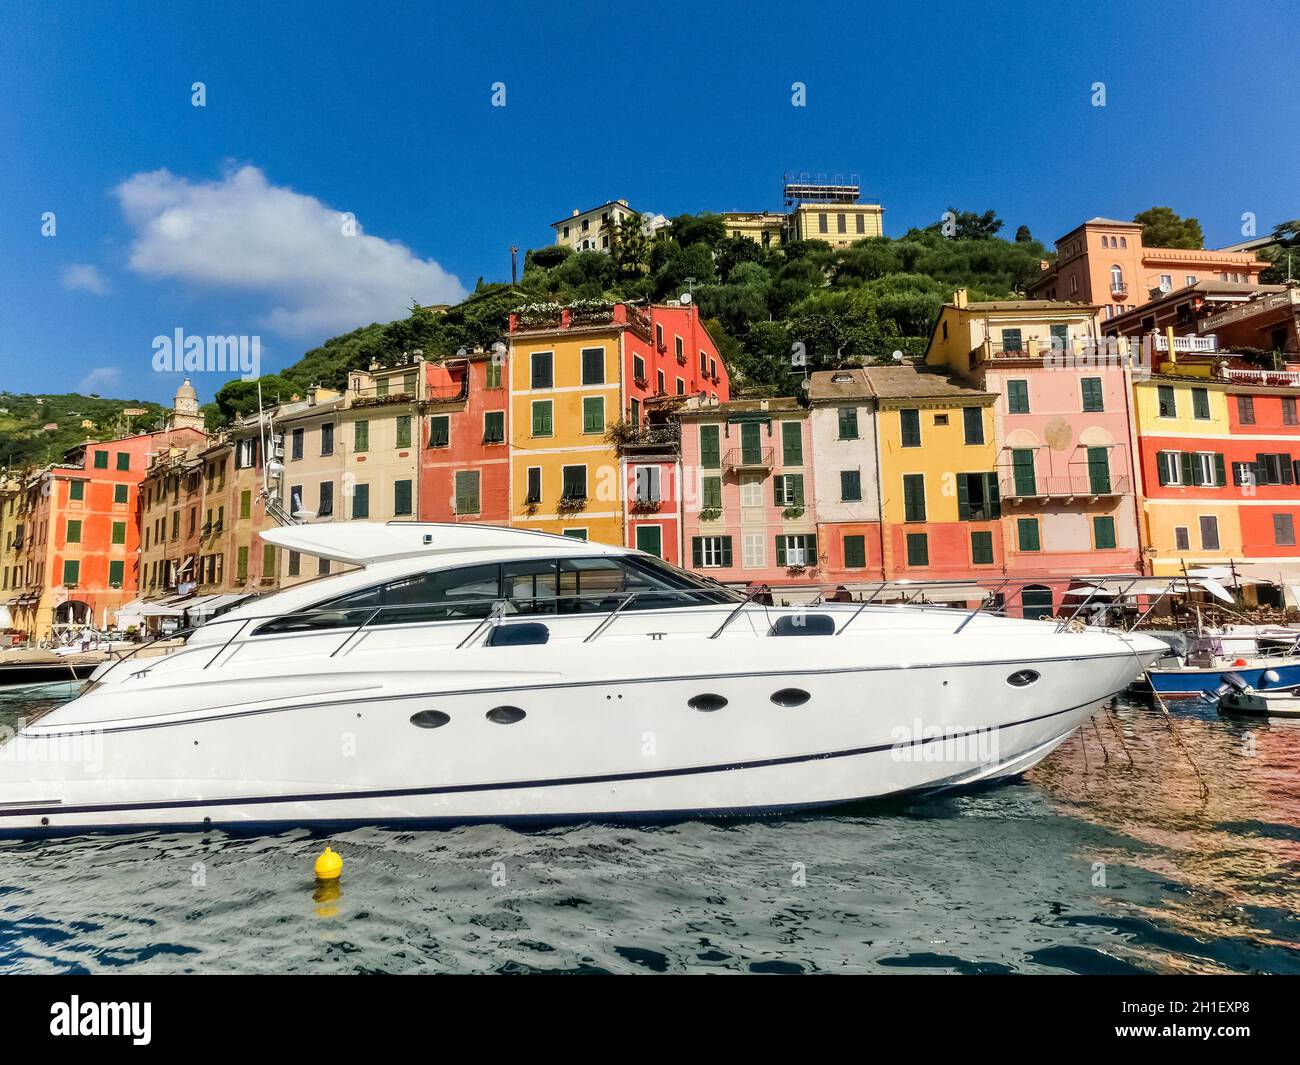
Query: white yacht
[(467, 673)]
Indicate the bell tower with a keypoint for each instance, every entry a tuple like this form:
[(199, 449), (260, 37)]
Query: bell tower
[(185, 409)]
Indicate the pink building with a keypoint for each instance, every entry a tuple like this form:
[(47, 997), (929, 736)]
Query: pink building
[(747, 487)]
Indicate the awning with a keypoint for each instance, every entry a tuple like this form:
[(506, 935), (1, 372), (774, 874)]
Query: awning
[(1140, 586), (159, 610), (212, 604), (955, 592), (185, 566)]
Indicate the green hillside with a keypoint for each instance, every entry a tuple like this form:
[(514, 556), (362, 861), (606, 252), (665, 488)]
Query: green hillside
[(24, 440)]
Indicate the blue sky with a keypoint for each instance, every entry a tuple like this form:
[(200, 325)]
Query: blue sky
[(222, 219)]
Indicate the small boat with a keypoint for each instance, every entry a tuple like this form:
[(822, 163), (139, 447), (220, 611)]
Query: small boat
[(1201, 671), (1235, 696), (23, 667)]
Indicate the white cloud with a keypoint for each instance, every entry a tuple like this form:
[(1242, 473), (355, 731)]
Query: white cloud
[(241, 232), (100, 380), (85, 277)]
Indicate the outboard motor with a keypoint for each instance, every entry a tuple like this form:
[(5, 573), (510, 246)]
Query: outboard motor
[(1229, 682)]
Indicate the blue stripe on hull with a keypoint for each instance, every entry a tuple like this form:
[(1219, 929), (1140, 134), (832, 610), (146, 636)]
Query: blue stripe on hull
[(1195, 681)]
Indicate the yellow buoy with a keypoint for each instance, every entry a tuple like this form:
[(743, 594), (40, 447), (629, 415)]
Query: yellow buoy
[(329, 866)]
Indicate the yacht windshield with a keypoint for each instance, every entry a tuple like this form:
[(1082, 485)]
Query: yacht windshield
[(534, 586)]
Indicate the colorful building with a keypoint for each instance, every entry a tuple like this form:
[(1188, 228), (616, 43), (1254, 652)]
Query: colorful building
[(846, 503), (747, 515), (938, 452), (1062, 428)]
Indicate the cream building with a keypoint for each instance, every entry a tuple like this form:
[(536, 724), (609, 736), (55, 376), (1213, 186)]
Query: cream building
[(762, 227), (593, 229), (839, 224)]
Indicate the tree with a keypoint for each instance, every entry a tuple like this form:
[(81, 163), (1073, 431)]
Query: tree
[(1161, 228), (971, 226), (689, 229), (1023, 236)]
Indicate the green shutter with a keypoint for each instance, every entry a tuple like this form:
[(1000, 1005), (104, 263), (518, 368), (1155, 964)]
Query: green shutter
[(697, 551), (711, 495), (1104, 531), (726, 551), (74, 532), (116, 573), (360, 501), (963, 498), (241, 564), (909, 423), (268, 560), (797, 482), (1191, 470), (780, 550), (981, 548), (973, 424), (855, 552), (1027, 532), (848, 423), (361, 439), (121, 493), (1098, 470), (403, 430), (593, 415), (918, 549), (710, 447), (751, 443), (77, 490), (71, 572), (791, 444), (402, 498), (1022, 468), (914, 497), (119, 532), (1092, 394), (991, 497), (542, 423), (1221, 473), (439, 430)]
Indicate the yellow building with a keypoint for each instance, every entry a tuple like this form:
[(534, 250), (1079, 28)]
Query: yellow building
[(565, 392), (762, 227), (594, 229), (839, 224)]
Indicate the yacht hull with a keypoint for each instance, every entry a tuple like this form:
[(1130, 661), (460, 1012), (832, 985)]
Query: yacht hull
[(355, 747)]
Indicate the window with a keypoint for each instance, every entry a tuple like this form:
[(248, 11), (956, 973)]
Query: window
[(245, 504), (121, 492), (754, 550), (467, 491), (711, 493), (1098, 470), (638, 369), (797, 550), (751, 443), (1289, 411), (361, 439), (1022, 471), (977, 497), (322, 566), (403, 430), (118, 535), (295, 444), (439, 430), (1168, 402), (1117, 279), (862, 222), (659, 336), (1166, 281), (1060, 335), (1246, 410), (710, 552), (77, 489), (1092, 400), (710, 447), (492, 373), (533, 493), (1200, 403), (1190, 279), (241, 564), (1011, 340), (848, 423), (918, 549), (661, 383), (574, 483), (1027, 534), (1182, 538), (791, 444), (268, 562), (1209, 533), (850, 486), (650, 539), (1273, 469), (914, 497), (123, 460), (981, 548), (1284, 530), (751, 490), (326, 507), (402, 498), (326, 439), (71, 572), (972, 419), (542, 425), (381, 386), (646, 481), (360, 501), (634, 412), (909, 423), (788, 490), (116, 573), (841, 223), (1018, 397), (593, 414), (821, 222), (1103, 532), (542, 365), (855, 552), (74, 532), (494, 427), (681, 387), (101, 460)]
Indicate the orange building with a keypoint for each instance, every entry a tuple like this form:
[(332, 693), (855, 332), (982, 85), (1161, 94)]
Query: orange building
[(1105, 262)]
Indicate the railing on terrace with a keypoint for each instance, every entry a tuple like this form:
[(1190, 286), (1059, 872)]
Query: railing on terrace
[(652, 438), (1284, 378), (1063, 487), (739, 458), (1187, 343)]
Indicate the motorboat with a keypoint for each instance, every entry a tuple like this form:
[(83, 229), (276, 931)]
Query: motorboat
[(1236, 697), (22, 667), (1201, 670), (463, 673)]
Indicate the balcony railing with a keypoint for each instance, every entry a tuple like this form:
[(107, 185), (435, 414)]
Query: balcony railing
[(1187, 343), (651, 438), (1078, 486), (1284, 378), (739, 458), (1119, 288)]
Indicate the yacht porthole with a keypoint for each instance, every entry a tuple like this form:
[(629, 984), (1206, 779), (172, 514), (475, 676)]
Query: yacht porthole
[(790, 697), (1022, 678), (429, 719), (505, 715), (707, 703)]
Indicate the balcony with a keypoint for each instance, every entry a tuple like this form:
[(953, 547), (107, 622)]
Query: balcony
[(1033, 348), (1119, 288), (1272, 378), (738, 458), (1187, 343), (1062, 489), (650, 439)]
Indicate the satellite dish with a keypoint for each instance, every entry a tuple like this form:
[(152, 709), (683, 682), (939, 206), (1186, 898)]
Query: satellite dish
[(275, 468), (686, 297), (461, 353), (898, 356)]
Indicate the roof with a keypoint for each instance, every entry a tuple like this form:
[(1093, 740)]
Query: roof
[(589, 210), (777, 405), (911, 382), (848, 383), (1025, 305)]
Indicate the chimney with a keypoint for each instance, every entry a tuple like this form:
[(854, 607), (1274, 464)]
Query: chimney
[(961, 298)]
